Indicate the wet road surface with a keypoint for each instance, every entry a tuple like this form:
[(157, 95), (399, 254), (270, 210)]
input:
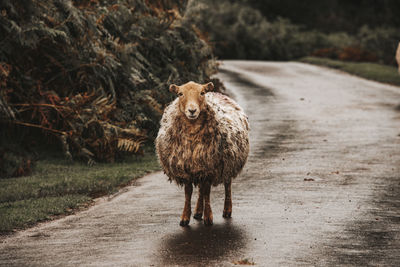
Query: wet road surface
[(321, 187)]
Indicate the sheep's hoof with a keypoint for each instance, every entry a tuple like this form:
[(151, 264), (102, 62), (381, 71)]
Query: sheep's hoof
[(198, 216), (208, 221), (184, 223), (227, 214)]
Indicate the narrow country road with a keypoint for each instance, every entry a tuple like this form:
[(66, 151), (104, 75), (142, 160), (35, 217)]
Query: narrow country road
[(321, 187)]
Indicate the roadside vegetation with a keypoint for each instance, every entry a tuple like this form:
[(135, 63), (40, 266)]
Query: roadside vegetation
[(371, 71), (92, 74), (58, 186), (290, 30)]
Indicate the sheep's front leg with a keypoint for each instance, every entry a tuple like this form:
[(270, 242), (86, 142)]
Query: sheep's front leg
[(185, 218), (228, 200), (199, 206), (208, 217)]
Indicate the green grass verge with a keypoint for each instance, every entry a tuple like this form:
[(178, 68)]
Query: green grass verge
[(57, 186), (371, 71), (22, 213)]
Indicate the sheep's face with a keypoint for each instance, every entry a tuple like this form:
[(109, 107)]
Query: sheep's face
[(191, 98)]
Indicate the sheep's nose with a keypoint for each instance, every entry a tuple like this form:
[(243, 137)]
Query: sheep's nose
[(192, 111)]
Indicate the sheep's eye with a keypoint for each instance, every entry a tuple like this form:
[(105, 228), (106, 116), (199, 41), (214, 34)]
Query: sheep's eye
[(180, 94), (202, 93)]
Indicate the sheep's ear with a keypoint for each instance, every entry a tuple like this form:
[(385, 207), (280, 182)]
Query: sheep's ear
[(173, 88), (208, 87)]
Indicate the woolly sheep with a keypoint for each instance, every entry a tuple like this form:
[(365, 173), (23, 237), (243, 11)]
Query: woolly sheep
[(203, 140)]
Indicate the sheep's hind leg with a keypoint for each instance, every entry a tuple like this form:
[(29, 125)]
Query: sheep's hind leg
[(228, 201), (185, 218), (200, 205), (208, 216)]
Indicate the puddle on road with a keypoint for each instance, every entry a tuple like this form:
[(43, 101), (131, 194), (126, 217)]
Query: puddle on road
[(370, 240), (196, 244)]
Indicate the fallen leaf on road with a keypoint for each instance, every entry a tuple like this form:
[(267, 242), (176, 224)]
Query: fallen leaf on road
[(244, 262)]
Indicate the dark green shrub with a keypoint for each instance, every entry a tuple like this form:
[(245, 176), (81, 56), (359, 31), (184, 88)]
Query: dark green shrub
[(95, 73), (238, 31), (380, 41)]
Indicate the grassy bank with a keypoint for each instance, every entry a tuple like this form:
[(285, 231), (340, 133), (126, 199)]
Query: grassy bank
[(371, 71), (59, 187)]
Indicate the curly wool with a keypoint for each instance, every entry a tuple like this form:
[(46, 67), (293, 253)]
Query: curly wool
[(212, 149)]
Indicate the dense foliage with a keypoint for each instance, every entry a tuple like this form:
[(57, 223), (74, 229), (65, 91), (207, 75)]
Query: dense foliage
[(238, 30), (92, 73), (332, 15)]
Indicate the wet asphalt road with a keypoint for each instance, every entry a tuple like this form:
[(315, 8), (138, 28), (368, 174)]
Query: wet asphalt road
[(321, 187)]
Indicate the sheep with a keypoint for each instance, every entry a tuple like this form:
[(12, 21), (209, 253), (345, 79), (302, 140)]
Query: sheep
[(398, 56), (203, 141)]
